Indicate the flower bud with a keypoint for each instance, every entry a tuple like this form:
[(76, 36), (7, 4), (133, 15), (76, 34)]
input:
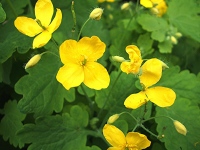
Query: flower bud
[(178, 34), (125, 6), (173, 40), (180, 128), (118, 58), (96, 13), (113, 118), (164, 65), (34, 60)]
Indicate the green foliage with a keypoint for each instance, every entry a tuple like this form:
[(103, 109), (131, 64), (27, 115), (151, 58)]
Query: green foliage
[(39, 113), (11, 123)]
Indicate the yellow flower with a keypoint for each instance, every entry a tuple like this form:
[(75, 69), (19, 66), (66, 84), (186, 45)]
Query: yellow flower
[(159, 7), (41, 27), (151, 74), (132, 141), (132, 66), (101, 1), (79, 59)]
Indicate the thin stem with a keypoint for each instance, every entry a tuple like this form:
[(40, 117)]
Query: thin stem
[(30, 7), (157, 117), (12, 8), (82, 28), (135, 127), (88, 99), (54, 41), (148, 131), (99, 114), (74, 18)]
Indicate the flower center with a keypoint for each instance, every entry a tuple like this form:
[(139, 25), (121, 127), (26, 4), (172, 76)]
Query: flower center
[(132, 147), (40, 24), (83, 60)]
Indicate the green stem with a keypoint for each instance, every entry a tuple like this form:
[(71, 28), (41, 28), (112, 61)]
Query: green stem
[(149, 131), (88, 99), (31, 8), (99, 114), (12, 8), (74, 18), (157, 117), (54, 41), (82, 28)]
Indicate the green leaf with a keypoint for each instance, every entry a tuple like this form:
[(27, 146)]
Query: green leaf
[(165, 47), (159, 35), (152, 23), (185, 16), (145, 43), (42, 93), (2, 14), (57, 132), (11, 123), (186, 113), (89, 92), (14, 41)]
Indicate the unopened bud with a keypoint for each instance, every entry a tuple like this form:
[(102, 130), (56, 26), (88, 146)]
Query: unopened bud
[(164, 65), (118, 58), (96, 13), (125, 6), (178, 34), (34, 60), (155, 10), (180, 128), (113, 118), (173, 40)]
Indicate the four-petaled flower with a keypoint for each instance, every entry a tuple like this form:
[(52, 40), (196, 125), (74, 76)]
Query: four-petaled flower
[(42, 25), (132, 66), (132, 141), (79, 59), (151, 74)]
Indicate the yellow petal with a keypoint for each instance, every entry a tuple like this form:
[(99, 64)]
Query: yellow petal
[(96, 76), (56, 21), (69, 52), (114, 136), (44, 12), (135, 100), (115, 148), (137, 139), (42, 39), (151, 72), (130, 67), (70, 75), (134, 52), (93, 48), (161, 96), (27, 26), (146, 3)]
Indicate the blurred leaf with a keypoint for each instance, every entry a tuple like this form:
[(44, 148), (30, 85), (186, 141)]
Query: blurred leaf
[(186, 113), (2, 14), (159, 35), (145, 43), (57, 132), (13, 8), (165, 47), (11, 123), (88, 91), (42, 93), (186, 18), (92, 148)]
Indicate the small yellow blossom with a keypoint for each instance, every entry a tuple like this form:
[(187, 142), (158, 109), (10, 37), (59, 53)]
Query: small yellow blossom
[(113, 118), (151, 74), (33, 61), (41, 27), (96, 14), (180, 128), (79, 59), (133, 66), (110, 1), (158, 7), (132, 141)]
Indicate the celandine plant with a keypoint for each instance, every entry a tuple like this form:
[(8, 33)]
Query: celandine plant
[(112, 77)]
